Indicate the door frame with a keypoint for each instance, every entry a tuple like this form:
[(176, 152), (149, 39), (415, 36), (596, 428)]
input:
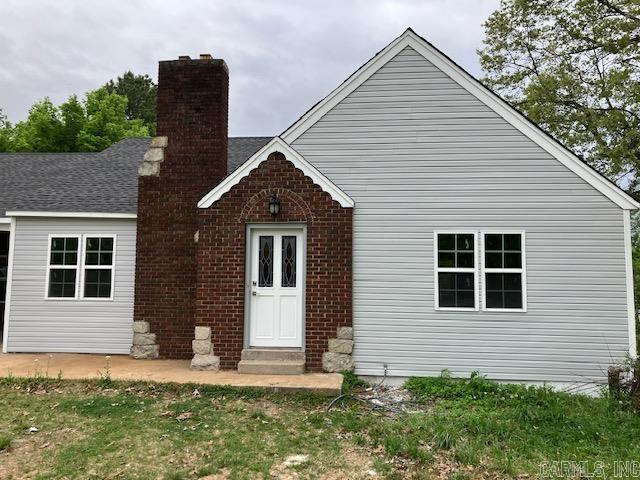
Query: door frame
[(249, 229)]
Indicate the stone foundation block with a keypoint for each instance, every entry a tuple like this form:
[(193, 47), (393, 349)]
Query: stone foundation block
[(205, 362), (203, 333), (345, 333), (337, 362), (201, 347), (144, 351), (144, 338), (140, 327), (338, 345)]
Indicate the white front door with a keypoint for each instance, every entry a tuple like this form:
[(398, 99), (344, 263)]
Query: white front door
[(276, 287)]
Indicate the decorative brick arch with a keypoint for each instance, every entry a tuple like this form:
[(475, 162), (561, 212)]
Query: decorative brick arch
[(220, 296), (288, 197)]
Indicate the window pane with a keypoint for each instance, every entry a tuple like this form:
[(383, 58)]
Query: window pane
[(504, 290), (99, 251), (57, 258), (493, 242), (493, 260), (92, 258), (466, 299), (465, 242), (465, 260), (289, 261), (447, 281), (447, 259), (57, 244), (93, 244), (64, 251), (512, 242), (512, 281), (97, 283), (456, 290), (512, 260), (265, 261), (62, 282), (494, 300), (106, 244), (446, 242), (464, 281), (106, 258), (447, 298)]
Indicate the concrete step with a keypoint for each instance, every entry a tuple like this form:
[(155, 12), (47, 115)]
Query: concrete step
[(271, 367), (273, 355)]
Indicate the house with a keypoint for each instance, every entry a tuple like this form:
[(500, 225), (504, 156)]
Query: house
[(411, 204)]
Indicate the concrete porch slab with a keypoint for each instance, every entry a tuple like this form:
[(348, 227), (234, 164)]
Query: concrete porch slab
[(83, 366)]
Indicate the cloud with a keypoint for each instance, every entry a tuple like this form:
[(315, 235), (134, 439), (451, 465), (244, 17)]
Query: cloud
[(283, 56)]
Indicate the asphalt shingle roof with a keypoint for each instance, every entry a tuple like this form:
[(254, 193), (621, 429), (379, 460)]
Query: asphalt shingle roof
[(106, 181)]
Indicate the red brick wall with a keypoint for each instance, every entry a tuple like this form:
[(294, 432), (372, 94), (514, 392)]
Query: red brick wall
[(221, 257), (192, 108)]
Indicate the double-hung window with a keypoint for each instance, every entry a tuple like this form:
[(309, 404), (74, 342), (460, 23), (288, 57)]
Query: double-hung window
[(80, 266), (456, 271), (504, 282), (98, 267), (62, 267)]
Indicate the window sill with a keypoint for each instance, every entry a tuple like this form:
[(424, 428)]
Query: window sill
[(505, 310), (455, 309)]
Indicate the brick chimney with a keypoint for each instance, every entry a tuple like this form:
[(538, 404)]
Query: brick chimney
[(186, 159)]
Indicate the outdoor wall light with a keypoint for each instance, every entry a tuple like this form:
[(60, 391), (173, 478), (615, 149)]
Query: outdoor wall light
[(274, 205)]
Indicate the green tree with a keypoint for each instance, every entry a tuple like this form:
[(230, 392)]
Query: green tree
[(141, 93), (40, 131), (88, 126), (6, 133), (106, 121), (573, 67)]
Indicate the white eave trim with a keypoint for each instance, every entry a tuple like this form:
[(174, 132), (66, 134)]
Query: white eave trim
[(70, 214), (473, 86), (276, 145)]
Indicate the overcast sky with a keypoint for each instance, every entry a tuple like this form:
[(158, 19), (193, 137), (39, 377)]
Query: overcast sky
[(283, 56)]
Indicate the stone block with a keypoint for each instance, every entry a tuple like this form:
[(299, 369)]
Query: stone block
[(338, 345), (144, 351), (203, 333), (144, 338), (159, 142), (201, 347), (345, 333), (205, 362), (337, 362), (153, 155), (149, 169), (140, 327)]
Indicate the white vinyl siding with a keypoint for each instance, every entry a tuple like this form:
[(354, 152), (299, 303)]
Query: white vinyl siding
[(85, 325), (418, 154)]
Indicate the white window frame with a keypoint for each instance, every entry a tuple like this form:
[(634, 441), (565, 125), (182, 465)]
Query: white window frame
[(75, 267), (474, 270), (522, 270), (81, 266), (86, 267)]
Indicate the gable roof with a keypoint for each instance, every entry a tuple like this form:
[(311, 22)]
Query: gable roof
[(276, 145), (410, 39), (102, 182)]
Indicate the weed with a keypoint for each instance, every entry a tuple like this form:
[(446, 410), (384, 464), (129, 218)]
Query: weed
[(5, 442), (351, 382)]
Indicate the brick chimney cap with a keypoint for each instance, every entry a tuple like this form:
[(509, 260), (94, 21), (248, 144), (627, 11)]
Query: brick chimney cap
[(205, 56), (184, 57)]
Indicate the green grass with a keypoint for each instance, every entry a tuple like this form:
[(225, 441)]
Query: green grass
[(467, 429)]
